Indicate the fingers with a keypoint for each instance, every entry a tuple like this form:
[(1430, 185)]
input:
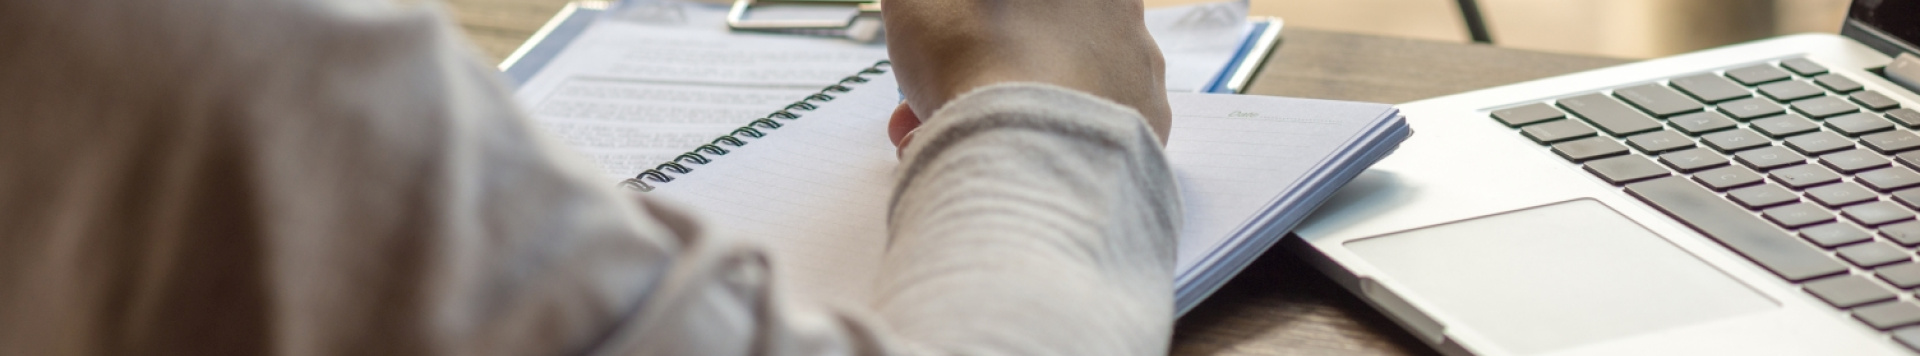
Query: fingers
[(900, 127)]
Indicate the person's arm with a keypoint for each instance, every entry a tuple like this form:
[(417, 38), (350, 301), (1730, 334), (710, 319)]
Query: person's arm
[(299, 177), (1035, 213), (1031, 219), (1035, 196)]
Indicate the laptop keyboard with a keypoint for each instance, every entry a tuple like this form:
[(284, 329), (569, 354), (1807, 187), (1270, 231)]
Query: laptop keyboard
[(1802, 171)]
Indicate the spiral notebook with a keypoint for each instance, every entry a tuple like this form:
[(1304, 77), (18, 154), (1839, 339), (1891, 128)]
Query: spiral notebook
[(812, 180)]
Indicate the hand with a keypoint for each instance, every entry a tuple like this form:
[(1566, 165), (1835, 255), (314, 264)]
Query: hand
[(943, 48)]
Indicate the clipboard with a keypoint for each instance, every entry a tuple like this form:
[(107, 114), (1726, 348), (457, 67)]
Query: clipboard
[(573, 19), (737, 16)]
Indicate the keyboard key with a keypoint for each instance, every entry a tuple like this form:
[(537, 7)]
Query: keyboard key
[(1803, 176), (1770, 157), (1589, 148), (1624, 169), (1750, 108), (1848, 291), (1851, 161), (1875, 213), (1832, 235), (1888, 179), (1889, 315), (1557, 131), (1857, 124), (1873, 254), (1658, 99), (1691, 160), (1784, 125), (1903, 276), (1909, 197), (1905, 116), (1790, 90), (1734, 140), (1804, 67), (1906, 233), (1823, 107), (1659, 141), (1838, 194), (1735, 228), (1728, 177), (1709, 88), (1761, 196), (1821, 142), (1610, 115), (1910, 159), (1837, 83), (1874, 100), (1756, 74), (1701, 122), (1909, 336), (1797, 215), (1891, 141), (1527, 114)]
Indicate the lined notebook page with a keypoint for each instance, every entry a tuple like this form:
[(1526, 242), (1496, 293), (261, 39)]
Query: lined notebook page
[(816, 190)]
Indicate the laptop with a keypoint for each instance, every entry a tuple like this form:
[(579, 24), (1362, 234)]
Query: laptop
[(1756, 199)]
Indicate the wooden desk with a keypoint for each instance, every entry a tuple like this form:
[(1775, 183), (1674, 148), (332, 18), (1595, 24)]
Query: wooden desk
[(1279, 306)]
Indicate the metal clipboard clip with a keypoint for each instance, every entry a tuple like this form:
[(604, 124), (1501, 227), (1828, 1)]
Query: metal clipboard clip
[(854, 19)]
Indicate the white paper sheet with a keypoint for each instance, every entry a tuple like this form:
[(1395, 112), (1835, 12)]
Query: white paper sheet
[(651, 80), (655, 79)]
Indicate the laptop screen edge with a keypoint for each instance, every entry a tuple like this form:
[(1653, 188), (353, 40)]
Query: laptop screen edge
[(1888, 26), (1878, 40)]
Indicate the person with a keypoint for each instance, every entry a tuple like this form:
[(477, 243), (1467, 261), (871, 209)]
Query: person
[(346, 177)]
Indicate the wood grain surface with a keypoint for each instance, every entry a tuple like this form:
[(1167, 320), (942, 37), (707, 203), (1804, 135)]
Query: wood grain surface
[(1278, 306), (1343, 66)]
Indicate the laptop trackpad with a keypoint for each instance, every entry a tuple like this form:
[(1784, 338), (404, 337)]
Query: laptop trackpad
[(1555, 276)]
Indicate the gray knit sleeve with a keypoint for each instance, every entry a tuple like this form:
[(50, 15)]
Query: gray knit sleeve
[(1031, 219)]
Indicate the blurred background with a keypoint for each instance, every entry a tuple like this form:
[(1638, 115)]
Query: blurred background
[(1611, 28)]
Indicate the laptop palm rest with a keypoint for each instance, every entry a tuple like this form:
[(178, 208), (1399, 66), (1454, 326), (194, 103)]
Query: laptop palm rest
[(1577, 266)]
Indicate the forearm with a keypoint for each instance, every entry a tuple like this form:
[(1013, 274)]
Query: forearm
[(1031, 219)]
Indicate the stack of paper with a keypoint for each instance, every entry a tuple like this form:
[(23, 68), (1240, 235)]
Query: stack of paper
[(1249, 169)]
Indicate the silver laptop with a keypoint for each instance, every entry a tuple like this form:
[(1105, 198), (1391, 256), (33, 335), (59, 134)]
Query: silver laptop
[(1757, 199)]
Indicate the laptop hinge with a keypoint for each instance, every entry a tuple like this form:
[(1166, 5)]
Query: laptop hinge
[(1874, 38)]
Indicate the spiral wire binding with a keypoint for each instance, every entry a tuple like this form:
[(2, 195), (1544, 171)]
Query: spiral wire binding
[(757, 128)]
